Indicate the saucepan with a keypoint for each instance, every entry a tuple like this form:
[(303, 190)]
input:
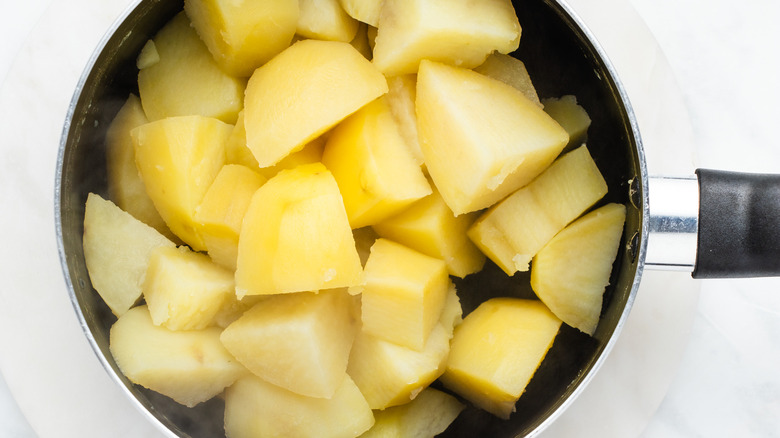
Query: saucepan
[(716, 223)]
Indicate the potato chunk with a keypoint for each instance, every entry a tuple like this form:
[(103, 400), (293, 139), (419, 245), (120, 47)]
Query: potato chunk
[(513, 231), (389, 374), (428, 415), (255, 408), (510, 71), (404, 292), (243, 35), (178, 159), (496, 351), (455, 32), (125, 186), (482, 139), (187, 366), (186, 80), (117, 248), (571, 272), (296, 236), (303, 92), (326, 20), (185, 290), (571, 116), (429, 226), (376, 173), (221, 213), (300, 342)]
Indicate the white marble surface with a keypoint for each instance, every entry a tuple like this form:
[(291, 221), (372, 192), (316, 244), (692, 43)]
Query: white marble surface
[(683, 368)]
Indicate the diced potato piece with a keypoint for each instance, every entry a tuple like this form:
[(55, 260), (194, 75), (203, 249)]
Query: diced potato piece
[(148, 56), (255, 408), (401, 96), (510, 71), (300, 342), (303, 92), (222, 210), (455, 32), (428, 415), (571, 116), (496, 351), (117, 248), (513, 231), (239, 153), (571, 272), (326, 20), (430, 227), (376, 173), (178, 159), (296, 236), (389, 374), (186, 80), (366, 11), (243, 35), (361, 42), (404, 292), (187, 366), (125, 186), (482, 139), (185, 290)]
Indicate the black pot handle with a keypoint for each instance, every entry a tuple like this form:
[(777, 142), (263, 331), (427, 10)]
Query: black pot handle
[(739, 225)]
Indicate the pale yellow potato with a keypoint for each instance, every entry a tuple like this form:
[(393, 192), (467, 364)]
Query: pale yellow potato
[(572, 271), (255, 408), (326, 20), (375, 171), (428, 415), (125, 186), (186, 80), (389, 374), (497, 349), (570, 115), (185, 290), (243, 35), (221, 213), (300, 342), (456, 32), (430, 227), (117, 248), (481, 138), (178, 159), (296, 236), (302, 93), (510, 71), (514, 230), (188, 366), (238, 152), (403, 294)]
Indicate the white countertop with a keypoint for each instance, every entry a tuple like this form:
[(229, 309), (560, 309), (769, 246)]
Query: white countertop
[(697, 359)]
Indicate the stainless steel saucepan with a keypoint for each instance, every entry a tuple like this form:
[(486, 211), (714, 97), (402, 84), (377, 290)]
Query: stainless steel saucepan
[(716, 224)]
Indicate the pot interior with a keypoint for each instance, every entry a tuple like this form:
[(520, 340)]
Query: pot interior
[(560, 58)]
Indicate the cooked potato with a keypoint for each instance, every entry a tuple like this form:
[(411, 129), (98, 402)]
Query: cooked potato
[(117, 248), (481, 138), (188, 366), (296, 237)]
